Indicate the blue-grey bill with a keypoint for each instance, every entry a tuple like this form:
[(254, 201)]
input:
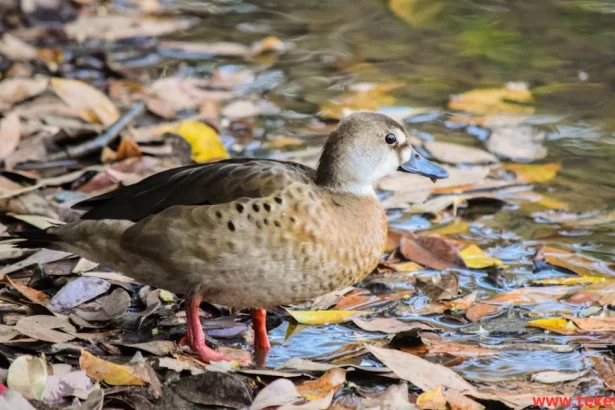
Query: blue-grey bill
[(420, 166)]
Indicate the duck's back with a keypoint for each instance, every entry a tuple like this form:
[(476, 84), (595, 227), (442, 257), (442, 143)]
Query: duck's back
[(249, 233)]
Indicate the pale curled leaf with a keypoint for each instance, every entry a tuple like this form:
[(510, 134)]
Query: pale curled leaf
[(108, 372), (28, 376), (94, 106), (42, 327), (10, 134)]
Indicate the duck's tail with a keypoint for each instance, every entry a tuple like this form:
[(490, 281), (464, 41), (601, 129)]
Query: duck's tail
[(33, 238)]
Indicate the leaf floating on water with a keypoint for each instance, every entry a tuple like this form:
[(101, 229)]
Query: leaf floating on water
[(322, 317), (533, 173), (431, 251), (517, 143), (476, 258), (593, 323), (387, 325), (205, 141), (479, 311), (510, 99), (28, 376), (556, 377), (601, 293), (532, 296), (580, 264), (94, 106), (365, 97), (557, 325), (463, 303), (110, 373), (459, 154)]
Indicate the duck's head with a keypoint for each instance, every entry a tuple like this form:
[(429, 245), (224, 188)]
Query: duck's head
[(365, 147)]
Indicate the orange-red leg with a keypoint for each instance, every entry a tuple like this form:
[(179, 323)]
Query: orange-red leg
[(259, 324), (195, 337)]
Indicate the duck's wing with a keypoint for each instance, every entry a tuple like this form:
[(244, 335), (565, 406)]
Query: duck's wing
[(202, 184)]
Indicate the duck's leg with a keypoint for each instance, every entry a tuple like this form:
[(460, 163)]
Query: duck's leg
[(195, 337), (259, 324)]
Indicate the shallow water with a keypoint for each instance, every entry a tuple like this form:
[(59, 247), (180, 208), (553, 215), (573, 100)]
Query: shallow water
[(436, 48)]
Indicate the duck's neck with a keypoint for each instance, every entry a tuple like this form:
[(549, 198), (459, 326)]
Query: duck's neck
[(332, 179)]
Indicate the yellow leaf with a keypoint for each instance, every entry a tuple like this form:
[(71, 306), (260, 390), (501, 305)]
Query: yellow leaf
[(494, 100), (108, 372), (582, 280), (371, 98), (456, 227), (580, 264), (285, 142), (322, 317), (205, 142), (556, 324), (529, 173), (475, 258), (416, 12), (551, 203), (432, 399), (94, 106)]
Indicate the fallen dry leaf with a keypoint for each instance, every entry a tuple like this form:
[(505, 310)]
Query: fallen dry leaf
[(606, 323), (557, 325), (386, 325), (431, 251), (42, 327), (556, 377), (93, 105), (600, 293), (32, 295), (41, 257), (479, 311), (532, 295), (580, 264), (361, 298), (509, 99), (463, 303), (77, 292), (115, 27), (15, 90), (475, 258), (330, 382), (605, 368), (203, 139), (110, 373), (439, 287), (458, 154), (432, 400), (10, 134), (517, 143), (277, 393), (28, 376), (366, 97), (530, 173)]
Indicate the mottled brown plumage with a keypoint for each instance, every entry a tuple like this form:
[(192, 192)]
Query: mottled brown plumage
[(248, 232)]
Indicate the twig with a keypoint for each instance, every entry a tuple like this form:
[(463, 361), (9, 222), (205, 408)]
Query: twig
[(98, 143)]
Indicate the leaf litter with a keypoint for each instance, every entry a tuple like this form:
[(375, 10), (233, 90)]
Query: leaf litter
[(456, 272)]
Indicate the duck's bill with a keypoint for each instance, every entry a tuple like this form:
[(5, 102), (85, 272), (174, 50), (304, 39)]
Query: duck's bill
[(419, 165)]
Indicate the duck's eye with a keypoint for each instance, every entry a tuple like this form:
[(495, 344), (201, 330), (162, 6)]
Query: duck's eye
[(390, 139)]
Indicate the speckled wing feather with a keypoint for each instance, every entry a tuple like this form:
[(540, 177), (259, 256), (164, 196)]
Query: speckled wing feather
[(202, 184)]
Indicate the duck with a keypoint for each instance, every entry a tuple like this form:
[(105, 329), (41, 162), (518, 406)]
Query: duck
[(249, 233)]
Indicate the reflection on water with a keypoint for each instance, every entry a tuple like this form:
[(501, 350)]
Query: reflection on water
[(516, 365), (437, 48)]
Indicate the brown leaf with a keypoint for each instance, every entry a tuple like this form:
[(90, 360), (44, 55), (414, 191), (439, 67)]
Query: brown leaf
[(94, 106), (601, 293), (431, 251), (532, 296), (479, 311), (161, 108), (439, 287), (423, 374), (458, 349), (41, 257), (593, 323), (14, 90), (330, 382), (458, 154), (361, 299), (41, 327), (387, 325), (580, 264), (463, 303), (605, 368), (10, 134), (32, 295)]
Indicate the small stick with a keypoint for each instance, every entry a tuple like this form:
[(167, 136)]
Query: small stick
[(98, 143)]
